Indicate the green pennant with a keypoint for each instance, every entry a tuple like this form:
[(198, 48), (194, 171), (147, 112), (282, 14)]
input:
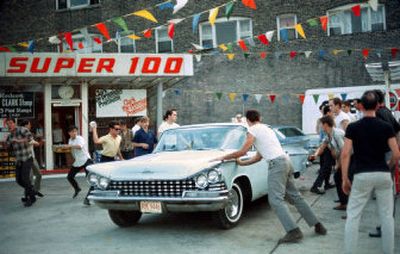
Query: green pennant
[(229, 9), (316, 97), (219, 95), (349, 52), (246, 55), (12, 49), (121, 22), (230, 47), (312, 22)]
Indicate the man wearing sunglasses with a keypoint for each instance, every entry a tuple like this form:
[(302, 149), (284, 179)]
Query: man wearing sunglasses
[(110, 142)]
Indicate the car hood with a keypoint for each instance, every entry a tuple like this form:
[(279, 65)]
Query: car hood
[(157, 166)]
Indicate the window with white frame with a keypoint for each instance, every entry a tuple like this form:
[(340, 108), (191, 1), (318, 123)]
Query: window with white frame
[(74, 4), (126, 45), (225, 31), (288, 22), (343, 21), (84, 45), (164, 44)]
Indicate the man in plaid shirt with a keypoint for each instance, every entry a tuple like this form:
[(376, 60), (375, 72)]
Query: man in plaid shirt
[(19, 139)]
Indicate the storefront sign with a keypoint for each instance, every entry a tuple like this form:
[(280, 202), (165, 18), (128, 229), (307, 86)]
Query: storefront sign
[(91, 65), (120, 102), (17, 105)]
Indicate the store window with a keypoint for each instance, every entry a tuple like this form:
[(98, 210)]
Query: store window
[(74, 4), (83, 45), (343, 21), (126, 45), (225, 31), (288, 22), (164, 44)]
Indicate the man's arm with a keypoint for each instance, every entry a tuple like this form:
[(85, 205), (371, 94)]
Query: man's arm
[(345, 162), (246, 147), (252, 160), (344, 124), (96, 139)]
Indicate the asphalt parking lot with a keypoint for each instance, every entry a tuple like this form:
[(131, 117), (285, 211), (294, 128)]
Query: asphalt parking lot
[(57, 223)]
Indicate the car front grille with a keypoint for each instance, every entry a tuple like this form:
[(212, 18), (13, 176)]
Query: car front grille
[(152, 188)]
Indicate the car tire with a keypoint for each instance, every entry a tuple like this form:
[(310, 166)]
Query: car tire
[(229, 216), (124, 218)]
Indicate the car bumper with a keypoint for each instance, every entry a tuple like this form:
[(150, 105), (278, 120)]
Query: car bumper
[(191, 201)]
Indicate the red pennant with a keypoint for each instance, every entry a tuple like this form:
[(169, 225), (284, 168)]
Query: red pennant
[(190, 51), (250, 3), (324, 22), (263, 39), (4, 49), (263, 55), (356, 10), (365, 53), (80, 45), (301, 98), (272, 97), (68, 39), (293, 54), (397, 91), (147, 33), (97, 40), (242, 45), (171, 30), (103, 30), (394, 52)]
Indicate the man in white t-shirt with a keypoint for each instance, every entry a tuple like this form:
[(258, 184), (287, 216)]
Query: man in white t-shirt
[(81, 159), (280, 177), (341, 118), (169, 121)]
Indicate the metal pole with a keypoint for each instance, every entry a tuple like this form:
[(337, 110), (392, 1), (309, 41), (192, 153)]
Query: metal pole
[(159, 103), (386, 75)]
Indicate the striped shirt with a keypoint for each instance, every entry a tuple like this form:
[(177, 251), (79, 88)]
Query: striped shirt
[(23, 150)]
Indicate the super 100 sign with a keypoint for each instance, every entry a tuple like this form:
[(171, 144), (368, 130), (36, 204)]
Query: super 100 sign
[(50, 65)]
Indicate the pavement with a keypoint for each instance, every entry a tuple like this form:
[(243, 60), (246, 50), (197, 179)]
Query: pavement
[(57, 223)]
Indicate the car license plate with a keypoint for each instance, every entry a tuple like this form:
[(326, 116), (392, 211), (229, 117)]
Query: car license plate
[(150, 207)]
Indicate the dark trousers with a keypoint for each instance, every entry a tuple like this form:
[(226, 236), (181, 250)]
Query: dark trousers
[(343, 198), (22, 176), (127, 154), (326, 162), (106, 158), (75, 170)]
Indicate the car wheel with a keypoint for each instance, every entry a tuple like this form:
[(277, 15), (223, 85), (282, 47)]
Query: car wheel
[(124, 218), (229, 216)]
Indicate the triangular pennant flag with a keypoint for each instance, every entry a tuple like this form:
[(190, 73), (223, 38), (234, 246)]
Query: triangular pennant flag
[(269, 35), (344, 96), (301, 98), (250, 41), (246, 55), (229, 9), (322, 53), (133, 37), (179, 5), (197, 46), (148, 33), (263, 55), (331, 96), (52, 40), (166, 5), (272, 98), (336, 51), (219, 95), (195, 22), (23, 44), (175, 21), (245, 96), (250, 3), (258, 97), (146, 15), (103, 30), (349, 51), (263, 39), (198, 57), (284, 34), (300, 30), (31, 47), (213, 15), (163, 94), (232, 96), (223, 47), (177, 91), (242, 45), (5, 49), (97, 40), (356, 10), (12, 49), (230, 56), (316, 97), (394, 52), (171, 30), (307, 53), (80, 45), (121, 23), (365, 53), (312, 22), (398, 92), (373, 4), (292, 54), (68, 39), (229, 46), (324, 22)]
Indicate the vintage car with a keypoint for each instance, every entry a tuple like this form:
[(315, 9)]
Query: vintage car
[(179, 177)]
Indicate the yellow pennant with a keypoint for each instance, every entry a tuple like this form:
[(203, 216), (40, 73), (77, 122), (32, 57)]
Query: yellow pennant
[(230, 56), (232, 96), (300, 30), (331, 96), (146, 14), (336, 51), (223, 47), (213, 15), (23, 44), (133, 37)]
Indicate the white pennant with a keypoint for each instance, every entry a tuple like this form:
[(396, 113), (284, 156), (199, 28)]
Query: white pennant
[(175, 21), (163, 94), (179, 5), (198, 58), (373, 4), (307, 53), (258, 97), (54, 40), (269, 35), (197, 46)]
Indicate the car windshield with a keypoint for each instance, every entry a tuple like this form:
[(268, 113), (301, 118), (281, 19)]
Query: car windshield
[(290, 132), (202, 138)]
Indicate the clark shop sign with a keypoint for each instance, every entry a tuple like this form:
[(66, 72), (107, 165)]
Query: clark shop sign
[(90, 65)]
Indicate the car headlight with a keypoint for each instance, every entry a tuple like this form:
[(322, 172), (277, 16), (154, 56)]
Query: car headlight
[(103, 182), (93, 180), (213, 176), (201, 181)]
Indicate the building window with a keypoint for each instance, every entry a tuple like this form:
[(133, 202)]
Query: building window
[(126, 45), (163, 43), (225, 31), (343, 21), (74, 4), (288, 22), (82, 45)]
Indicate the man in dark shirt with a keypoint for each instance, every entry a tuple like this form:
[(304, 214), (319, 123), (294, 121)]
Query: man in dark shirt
[(144, 140), (369, 139)]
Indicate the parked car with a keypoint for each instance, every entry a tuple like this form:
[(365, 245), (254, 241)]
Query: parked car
[(179, 177)]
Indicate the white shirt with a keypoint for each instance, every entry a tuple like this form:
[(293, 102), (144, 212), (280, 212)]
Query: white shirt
[(339, 118), (135, 129), (351, 116), (266, 142), (80, 155), (166, 126)]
